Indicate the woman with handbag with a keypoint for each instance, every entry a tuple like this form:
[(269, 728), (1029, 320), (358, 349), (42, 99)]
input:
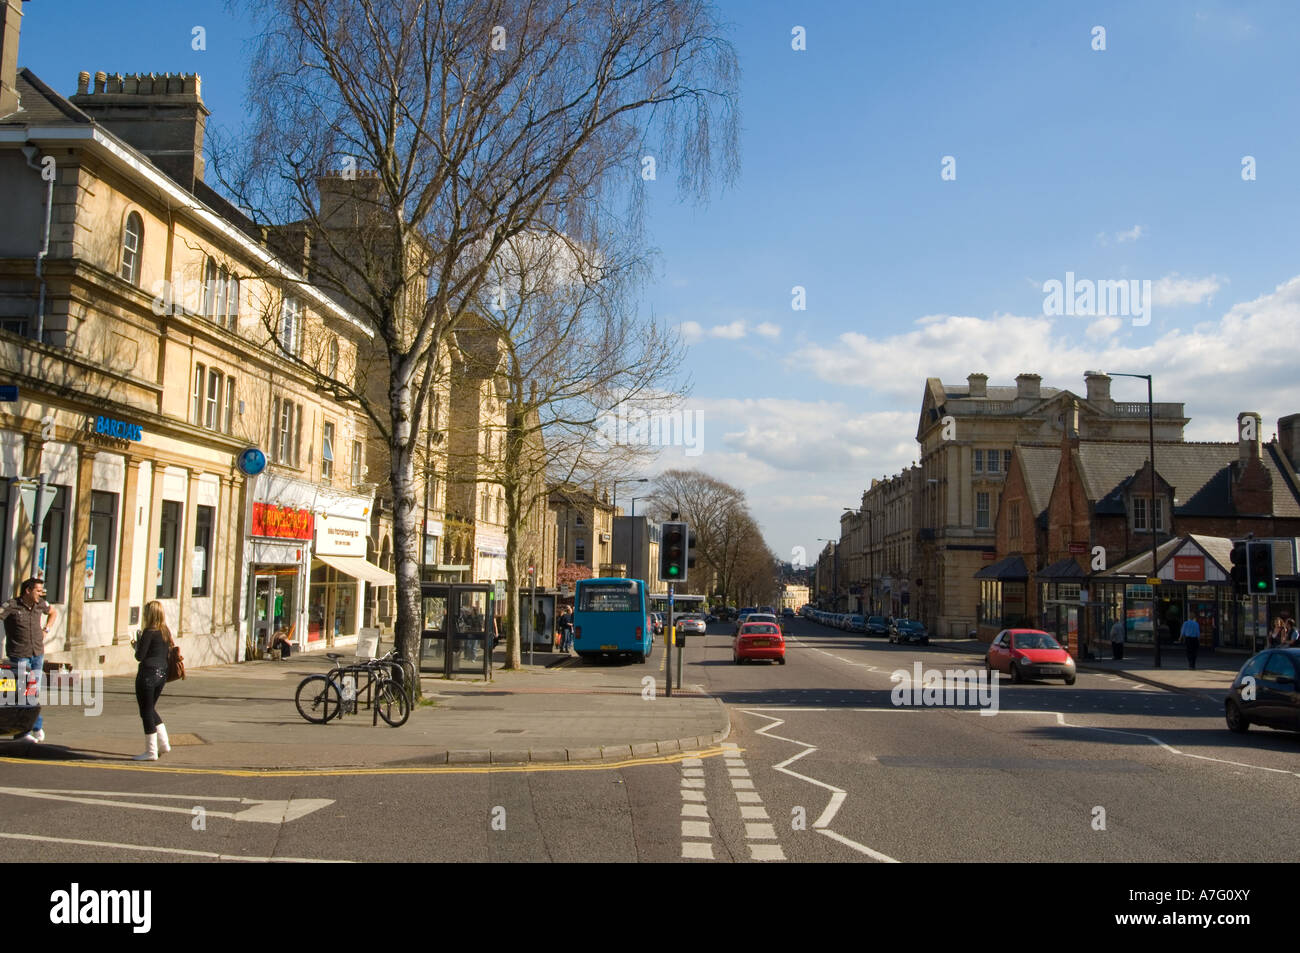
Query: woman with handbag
[(153, 649)]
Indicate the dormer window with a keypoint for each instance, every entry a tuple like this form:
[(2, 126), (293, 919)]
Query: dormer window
[(1141, 504)]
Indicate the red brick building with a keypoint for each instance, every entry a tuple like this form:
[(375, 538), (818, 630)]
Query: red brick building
[(1070, 518)]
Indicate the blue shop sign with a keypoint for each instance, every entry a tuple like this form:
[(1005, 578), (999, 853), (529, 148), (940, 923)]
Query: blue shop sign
[(120, 429)]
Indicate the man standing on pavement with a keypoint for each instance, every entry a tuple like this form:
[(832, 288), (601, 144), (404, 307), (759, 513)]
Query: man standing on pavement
[(1117, 640), (27, 619), (1191, 634)]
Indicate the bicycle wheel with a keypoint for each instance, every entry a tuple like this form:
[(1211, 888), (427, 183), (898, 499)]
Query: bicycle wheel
[(392, 704), (318, 699)]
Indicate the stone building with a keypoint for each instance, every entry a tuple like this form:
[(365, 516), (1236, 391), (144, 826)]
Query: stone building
[(967, 433), (135, 318)]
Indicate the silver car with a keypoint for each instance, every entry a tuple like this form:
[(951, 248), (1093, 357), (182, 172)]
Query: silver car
[(692, 624)]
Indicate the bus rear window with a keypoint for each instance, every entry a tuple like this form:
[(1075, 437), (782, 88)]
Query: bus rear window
[(609, 599)]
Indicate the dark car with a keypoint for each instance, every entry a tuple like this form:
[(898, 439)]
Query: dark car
[(18, 707), (878, 624), (1266, 692), (909, 630)]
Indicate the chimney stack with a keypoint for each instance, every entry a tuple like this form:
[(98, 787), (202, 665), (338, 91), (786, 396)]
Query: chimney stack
[(11, 22), (1098, 387), (1248, 438), (161, 115), (1288, 438), (979, 385), (1028, 387)]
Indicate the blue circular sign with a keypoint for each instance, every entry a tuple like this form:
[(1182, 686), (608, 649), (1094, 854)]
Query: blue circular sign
[(251, 462)]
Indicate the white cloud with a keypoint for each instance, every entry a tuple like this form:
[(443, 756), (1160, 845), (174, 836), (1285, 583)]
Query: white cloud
[(730, 332), (768, 330), (692, 331), (1132, 235), (1173, 290), (1103, 328)]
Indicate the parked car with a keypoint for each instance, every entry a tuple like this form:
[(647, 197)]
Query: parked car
[(1029, 653), (1266, 692), (657, 623), (764, 617), (878, 624), (857, 623), (18, 712), (767, 609), (787, 613), (758, 640), (909, 630)]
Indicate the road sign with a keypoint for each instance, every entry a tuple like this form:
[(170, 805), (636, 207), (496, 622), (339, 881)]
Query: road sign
[(251, 461), (1153, 581), (27, 493)]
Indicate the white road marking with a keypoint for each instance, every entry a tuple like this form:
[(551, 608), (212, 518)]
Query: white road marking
[(261, 811), (766, 852), (692, 762), (693, 783), (742, 784), (697, 850), (821, 825), (171, 850), (748, 797), (753, 812), (738, 772), (760, 832), (695, 810), (696, 829), (692, 795), (692, 772)]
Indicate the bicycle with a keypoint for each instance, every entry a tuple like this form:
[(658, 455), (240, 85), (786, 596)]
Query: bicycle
[(321, 698)]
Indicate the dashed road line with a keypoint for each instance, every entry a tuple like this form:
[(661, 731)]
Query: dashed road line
[(697, 835), (757, 825)]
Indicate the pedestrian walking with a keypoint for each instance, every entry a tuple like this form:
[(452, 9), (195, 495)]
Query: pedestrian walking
[(1191, 635), (1117, 640), (152, 649), (566, 643), (1277, 634), (1292, 633), (27, 619)]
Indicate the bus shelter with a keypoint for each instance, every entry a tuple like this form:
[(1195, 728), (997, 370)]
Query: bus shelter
[(458, 629)]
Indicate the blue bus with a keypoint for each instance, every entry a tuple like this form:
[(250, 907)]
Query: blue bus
[(609, 618)]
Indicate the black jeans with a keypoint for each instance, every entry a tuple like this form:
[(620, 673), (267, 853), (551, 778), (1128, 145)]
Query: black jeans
[(1192, 645), (149, 682)]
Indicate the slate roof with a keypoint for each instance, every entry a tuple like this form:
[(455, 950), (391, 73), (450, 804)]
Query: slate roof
[(1011, 568), (1061, 570), (41, 106), (1200, 473), (1039, 467)]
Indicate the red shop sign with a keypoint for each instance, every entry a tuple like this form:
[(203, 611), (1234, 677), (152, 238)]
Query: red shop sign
[(282, 522), (1189, 568)]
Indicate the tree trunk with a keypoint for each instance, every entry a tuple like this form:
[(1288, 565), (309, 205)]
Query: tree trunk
[(406, 528)]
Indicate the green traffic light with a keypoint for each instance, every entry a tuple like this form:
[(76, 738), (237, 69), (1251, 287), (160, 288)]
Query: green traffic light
[(672, 570)]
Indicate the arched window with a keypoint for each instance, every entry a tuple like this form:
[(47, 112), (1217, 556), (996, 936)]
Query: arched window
[(132, 247), (232, 304), (210, 289), (332, 362)]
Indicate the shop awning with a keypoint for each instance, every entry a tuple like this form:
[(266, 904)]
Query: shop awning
[(358, 568), (1063, 570), (1010, 569)]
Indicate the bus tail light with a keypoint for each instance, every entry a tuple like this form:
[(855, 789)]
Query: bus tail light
[(638, 632), (577, 631)]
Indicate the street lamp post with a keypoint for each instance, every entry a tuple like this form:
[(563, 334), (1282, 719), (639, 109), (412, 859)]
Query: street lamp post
[(1151, 516)]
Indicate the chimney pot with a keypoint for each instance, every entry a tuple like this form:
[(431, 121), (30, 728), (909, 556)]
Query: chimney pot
[(1288, 438), (100, 79), (83, 83), (978, 384), (11, 24), (1098, 386), (1028, 386)]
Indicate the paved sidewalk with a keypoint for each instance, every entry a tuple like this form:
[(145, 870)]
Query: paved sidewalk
[(243, 716)]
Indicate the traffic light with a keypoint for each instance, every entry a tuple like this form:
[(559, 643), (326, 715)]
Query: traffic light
[(1259, 573), (672, 552), (690, 549), (1239, 568)]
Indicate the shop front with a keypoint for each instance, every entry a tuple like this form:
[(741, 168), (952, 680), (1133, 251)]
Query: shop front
[(339, 570)]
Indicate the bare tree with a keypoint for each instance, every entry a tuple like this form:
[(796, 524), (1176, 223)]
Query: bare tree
[(574, 359), (481, 120)]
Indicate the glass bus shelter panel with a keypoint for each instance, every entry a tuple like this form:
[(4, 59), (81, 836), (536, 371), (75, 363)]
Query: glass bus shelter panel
[(435, 602), (470, 647)]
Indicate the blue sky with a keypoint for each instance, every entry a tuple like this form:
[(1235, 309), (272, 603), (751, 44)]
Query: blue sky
[(1117, 164)]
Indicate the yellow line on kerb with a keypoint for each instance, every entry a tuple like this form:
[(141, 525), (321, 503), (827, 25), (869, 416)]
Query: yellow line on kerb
[(348, 772)]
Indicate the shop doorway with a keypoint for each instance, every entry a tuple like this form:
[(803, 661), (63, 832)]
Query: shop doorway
[(275, 592)]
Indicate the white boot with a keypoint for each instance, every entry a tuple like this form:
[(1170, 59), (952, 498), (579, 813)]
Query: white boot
[(150, 752), (163, 744)]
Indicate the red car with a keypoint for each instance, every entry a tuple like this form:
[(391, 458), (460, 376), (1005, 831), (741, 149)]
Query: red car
[(1029, 653), (758, 640)]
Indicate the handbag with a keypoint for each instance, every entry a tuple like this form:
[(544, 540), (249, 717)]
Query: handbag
[(175, 663)]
